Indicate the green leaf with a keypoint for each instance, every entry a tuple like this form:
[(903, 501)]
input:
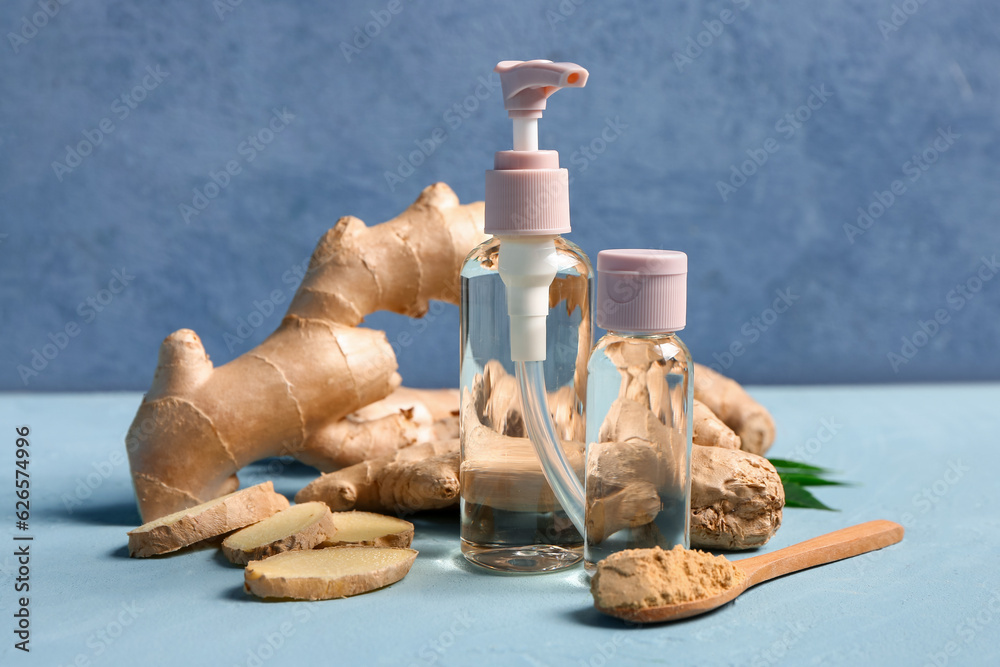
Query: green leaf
[(798, 496), (795, 477), (805, 479), (795, 466)]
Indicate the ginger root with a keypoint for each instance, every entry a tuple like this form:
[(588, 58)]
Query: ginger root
[(736, 496), (734, 406), (710, 431), (420, 477), (198, 425), (324, 574), (404, 418), (736, 499), (623, 482), (298, 527), (723, 411), (211, 519)]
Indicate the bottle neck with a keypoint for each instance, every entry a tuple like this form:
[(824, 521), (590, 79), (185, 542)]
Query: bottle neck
[(526, 239), (642, 335)]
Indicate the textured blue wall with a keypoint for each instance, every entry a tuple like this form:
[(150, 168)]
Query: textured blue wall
[(886, 82)]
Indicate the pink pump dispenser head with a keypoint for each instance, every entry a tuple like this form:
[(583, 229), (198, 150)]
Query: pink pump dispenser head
[(642, 291), (527, 201), (527, 194)]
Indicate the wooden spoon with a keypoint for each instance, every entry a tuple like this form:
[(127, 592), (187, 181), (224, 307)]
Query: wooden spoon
[(839, 544)]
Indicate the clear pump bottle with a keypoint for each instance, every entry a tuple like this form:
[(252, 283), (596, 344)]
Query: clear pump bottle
[(526, 296), (639, 406)]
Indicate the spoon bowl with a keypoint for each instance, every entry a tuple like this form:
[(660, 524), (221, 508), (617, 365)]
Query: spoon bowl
[(843, 543)]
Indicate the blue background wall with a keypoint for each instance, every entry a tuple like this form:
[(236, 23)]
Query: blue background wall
[(887, 90)]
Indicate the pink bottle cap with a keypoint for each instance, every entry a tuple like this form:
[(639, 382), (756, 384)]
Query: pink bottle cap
[(643, 291)]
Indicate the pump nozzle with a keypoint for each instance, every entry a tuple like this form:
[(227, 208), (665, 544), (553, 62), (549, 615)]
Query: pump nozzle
[(526, 85)]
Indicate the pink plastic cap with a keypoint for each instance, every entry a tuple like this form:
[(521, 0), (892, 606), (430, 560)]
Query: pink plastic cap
[(644, 291), (527, 194)]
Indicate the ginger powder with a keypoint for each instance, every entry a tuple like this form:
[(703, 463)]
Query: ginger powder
[(642, 578)]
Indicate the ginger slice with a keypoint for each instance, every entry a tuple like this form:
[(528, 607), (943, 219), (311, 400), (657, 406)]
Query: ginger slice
[(367, 529), (324, 574), (298, 527), (216, 517)]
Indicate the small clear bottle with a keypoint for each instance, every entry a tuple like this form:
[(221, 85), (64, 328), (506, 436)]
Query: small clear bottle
[(639, 407)]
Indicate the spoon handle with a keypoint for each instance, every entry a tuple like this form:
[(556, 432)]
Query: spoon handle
[(839, 544)]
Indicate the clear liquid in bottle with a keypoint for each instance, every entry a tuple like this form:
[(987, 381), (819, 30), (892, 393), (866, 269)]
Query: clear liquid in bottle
[(510, 519)]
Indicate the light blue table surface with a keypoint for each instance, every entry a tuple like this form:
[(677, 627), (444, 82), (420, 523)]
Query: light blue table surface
[(926, 456)]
